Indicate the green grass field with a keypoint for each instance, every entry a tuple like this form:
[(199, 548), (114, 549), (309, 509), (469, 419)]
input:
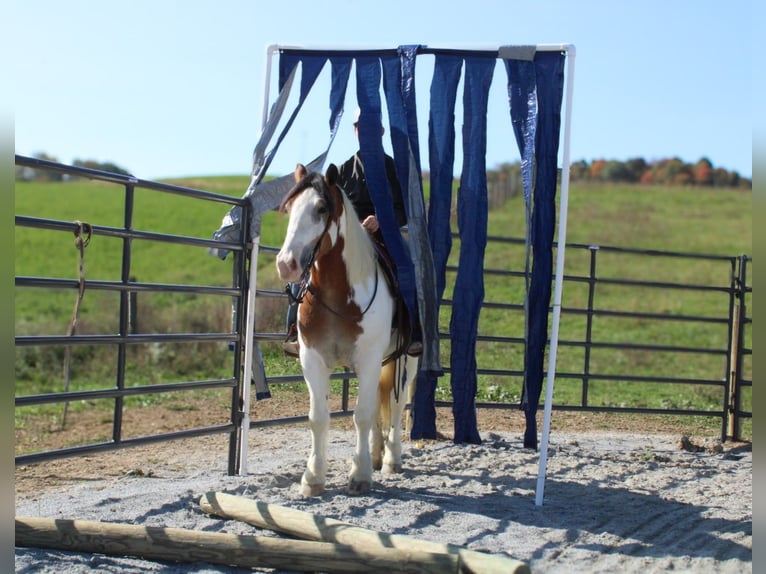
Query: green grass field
[(703, 221)]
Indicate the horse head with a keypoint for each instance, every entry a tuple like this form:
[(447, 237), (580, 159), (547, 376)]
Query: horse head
[(314, 206)]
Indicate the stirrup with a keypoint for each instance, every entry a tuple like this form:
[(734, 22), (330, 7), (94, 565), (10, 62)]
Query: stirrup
[(291, 348), (290, 345), (415, 346), (415, 349)]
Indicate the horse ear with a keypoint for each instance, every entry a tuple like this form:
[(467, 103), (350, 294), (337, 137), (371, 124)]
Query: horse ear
[(331, 175), (300, 172)]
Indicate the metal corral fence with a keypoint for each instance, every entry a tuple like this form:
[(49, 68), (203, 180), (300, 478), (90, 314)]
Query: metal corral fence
[(619, 329), (672, 336), (127, 337), (678, 326)]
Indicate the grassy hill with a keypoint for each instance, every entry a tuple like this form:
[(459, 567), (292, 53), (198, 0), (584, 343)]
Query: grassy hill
[(664, 218)]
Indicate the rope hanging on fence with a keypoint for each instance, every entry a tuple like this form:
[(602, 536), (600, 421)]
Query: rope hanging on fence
[(82, 235)]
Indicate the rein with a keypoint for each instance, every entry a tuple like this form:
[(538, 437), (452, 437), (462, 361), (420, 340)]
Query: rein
[(306, 275), (311, 290)]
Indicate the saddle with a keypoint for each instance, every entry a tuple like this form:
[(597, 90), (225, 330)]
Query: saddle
[(401, 319)]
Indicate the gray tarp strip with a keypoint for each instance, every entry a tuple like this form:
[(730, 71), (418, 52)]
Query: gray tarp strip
[(264, 196), (517, 53), (231, 225)]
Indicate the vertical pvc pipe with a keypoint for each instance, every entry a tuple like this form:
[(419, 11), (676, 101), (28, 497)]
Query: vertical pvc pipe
[(269, 56), (247, 367), (559, 281)]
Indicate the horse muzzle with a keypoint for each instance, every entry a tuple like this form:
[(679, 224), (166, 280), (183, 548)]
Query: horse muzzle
[(288, 267)]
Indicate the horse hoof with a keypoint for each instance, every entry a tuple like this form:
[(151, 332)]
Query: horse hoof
[(358, 486), (392, 468), (377, 464), (309, 490)]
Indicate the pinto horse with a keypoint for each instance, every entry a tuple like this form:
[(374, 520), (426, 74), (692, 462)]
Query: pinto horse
[(345, 318)]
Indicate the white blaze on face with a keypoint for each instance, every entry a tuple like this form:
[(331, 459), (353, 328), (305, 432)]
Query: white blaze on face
[(306, 224)]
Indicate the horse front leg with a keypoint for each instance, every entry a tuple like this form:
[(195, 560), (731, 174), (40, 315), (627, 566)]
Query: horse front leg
[(365, 413), (314, 477)]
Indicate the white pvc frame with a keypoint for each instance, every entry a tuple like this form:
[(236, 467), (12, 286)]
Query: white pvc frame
[(569, 49)]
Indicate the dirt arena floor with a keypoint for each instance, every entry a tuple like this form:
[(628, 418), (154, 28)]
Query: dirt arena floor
[(623, 494)]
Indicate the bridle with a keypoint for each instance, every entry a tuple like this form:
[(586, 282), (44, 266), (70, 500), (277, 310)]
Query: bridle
[(305, 285)]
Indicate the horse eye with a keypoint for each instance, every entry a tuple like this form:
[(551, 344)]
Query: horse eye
[(322, 209)]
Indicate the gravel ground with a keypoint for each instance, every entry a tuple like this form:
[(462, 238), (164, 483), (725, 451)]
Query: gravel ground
[(614, 501)]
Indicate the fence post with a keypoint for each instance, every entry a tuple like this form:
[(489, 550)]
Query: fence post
[(589, 324), (737, 351), (125, 310), (732, 398)]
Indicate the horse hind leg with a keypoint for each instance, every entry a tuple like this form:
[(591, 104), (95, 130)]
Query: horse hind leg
[(409, 418), (383, 420), (396, 402)]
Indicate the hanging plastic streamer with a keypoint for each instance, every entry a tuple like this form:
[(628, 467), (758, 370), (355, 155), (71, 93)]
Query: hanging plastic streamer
[(473, 211), (399, 90), (441, 145), (522, 96), (549, 77), (368, 81), (265, 196)]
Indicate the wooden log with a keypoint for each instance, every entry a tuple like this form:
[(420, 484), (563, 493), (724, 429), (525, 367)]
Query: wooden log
[(318, 528), (181, 545)]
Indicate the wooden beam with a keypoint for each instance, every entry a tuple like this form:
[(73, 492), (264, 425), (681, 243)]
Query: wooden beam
[(318, 528), (180, 545)]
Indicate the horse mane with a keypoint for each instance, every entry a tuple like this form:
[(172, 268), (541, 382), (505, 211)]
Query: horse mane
[(358, 252), (312, 179)]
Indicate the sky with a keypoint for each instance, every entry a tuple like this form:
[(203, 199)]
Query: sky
[(175, 88)]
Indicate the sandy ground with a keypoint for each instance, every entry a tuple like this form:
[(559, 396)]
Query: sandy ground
[(615, 501)]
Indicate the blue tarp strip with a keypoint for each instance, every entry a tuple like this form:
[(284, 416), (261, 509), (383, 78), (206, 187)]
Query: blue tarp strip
[(399, 89), (441, 144), (522, 95), (472, 213), (368, 81), (397, 120), (408, 57), (549, 72), (341, 71)]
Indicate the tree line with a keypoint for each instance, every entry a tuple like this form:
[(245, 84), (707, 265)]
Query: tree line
[(24, 173), (505, 179), (672, 171)]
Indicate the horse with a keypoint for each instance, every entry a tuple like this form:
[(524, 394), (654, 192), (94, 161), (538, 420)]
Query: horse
[(345, 319)]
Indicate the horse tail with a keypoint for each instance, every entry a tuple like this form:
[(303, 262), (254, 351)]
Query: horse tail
[(385, 388)]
